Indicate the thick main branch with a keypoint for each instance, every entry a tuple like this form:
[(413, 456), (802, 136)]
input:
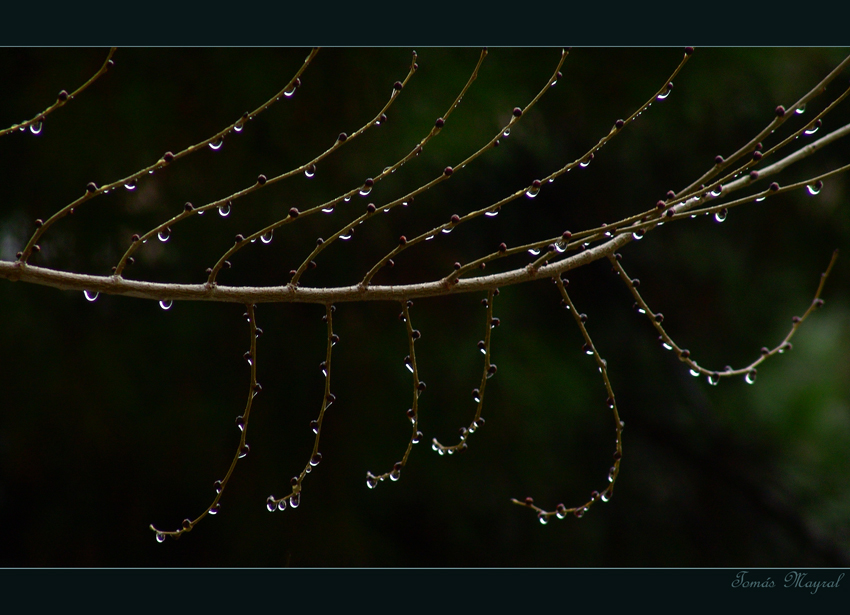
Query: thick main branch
[(115, 285)]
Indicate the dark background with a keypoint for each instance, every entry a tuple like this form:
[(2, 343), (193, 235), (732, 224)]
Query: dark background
[(116, 414)]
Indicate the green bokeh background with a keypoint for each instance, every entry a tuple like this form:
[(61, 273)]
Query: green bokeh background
[(117, 414)]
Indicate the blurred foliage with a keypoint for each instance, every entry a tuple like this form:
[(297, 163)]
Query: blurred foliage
[(116, 414)]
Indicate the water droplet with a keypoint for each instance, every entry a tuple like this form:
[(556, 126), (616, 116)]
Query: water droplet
[(290, 92), (164, 234), (612, 474), (476, 396), (666, 93), (310, 171), (224, 210), (544, 519), (561, 247), (800, 110), (812, 130), (267, 236), (239, 126), (247, 357), (534, 251), (579, 512), (815, 188), (240, 423), (395, 475), (315, 459), (429, 238), (295, 500), (638, 234), (531, 193), (507, 133), (346, 237), (666, 346), (90, 296), (371, 481), (492, 214), (784, 347), (760, 199), (244, 451), (281, 506), (36, 127), (750, 378), (365, 190), (606, 495), (165, 304), (717, 191), (447, 230), (408, 364), (216, 144), (215, 508), (588, 349), (130, 185), (720, 216), (482, 347), (347, 198), (217, 486), (694, 372), (584, 163), (160, 537), (714, 379), (271, 505), (328, 210)]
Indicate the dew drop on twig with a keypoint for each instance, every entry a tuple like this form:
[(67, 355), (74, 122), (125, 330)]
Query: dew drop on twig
[(90, 296), (165, 304), (666, 93)]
